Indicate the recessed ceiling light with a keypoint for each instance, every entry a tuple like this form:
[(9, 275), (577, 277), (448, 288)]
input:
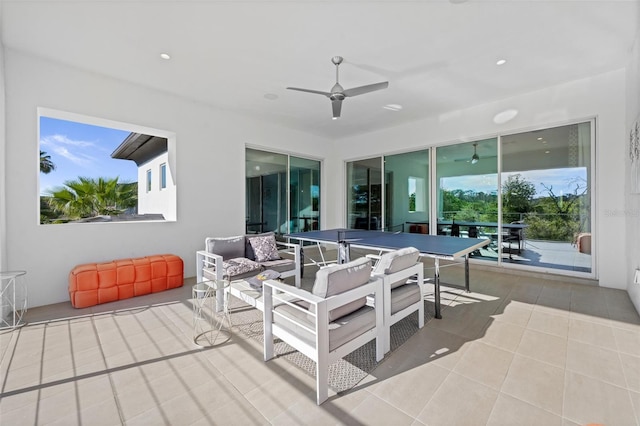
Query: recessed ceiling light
[(393, 107), (334, 118), (165, 56), (501, 62), (544, 141), (504, 116), (546, 152), (539, 139), (271, 96)]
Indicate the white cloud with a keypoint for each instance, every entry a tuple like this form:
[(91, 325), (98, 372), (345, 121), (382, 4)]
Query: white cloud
[(81, 160), (56, 140), (78, 152)]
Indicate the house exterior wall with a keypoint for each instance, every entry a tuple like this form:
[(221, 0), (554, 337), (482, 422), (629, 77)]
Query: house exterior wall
[(209, 172), (601, 97), (157, 200)]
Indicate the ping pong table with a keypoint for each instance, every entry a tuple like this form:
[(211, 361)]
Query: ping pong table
[(436, 247)]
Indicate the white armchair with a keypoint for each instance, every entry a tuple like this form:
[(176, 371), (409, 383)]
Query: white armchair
[(403, 280), (329, 322)]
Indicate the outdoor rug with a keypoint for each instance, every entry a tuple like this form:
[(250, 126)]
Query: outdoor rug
[(343, 374)]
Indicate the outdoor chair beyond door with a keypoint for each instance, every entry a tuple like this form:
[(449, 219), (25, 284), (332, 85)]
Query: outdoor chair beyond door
[(329, 322), (403, 278)]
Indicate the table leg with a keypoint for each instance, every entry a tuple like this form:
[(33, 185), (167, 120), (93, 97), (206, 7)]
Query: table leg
[(466, 273), (343, 252), (437, 287)]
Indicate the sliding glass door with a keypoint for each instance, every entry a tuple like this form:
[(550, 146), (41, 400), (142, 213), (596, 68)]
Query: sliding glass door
[(304, 184), (364, 194), (546, 188), (406, 181), (466, 191), (282, 192)]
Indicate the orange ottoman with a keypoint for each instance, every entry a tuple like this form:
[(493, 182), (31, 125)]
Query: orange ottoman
[(95, 283)]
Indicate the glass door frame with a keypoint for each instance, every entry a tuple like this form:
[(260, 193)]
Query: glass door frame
[(433, 195)]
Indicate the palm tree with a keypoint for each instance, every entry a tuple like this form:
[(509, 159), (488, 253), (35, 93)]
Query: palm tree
[(89, 197), (46, 165)]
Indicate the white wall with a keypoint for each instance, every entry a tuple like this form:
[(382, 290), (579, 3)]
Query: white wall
[(158, 200), (601, 96), (632, 206), (3, 169), (209, 172)]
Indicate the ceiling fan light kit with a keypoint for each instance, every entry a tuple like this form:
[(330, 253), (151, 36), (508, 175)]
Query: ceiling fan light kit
[(474, 157), (338, 93)]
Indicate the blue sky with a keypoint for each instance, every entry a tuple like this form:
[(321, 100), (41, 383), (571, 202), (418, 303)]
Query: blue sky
[(562, 181), (79, 149)]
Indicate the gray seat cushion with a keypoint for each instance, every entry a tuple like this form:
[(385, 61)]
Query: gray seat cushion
[(340, 332), (403, 296)]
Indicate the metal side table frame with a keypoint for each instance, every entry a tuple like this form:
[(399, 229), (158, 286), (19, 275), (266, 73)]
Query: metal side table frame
[(13, 299), (205, 315)]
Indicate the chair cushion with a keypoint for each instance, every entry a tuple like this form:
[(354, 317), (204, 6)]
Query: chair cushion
[(239, 267), (264, 247), (340, 332), (404, 296), (248, 250), (395, 261), (336, 279), (228, 248)]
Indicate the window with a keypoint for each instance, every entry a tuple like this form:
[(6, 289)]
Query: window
[(96, 170), (149, 180), (163, 176)]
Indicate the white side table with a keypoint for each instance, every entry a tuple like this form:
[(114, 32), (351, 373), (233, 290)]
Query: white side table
[(13, 299), (205, 331)]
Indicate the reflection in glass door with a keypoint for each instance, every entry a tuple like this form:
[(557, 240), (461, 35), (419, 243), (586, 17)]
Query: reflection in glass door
[(266, 183), (406, 179), (467, 193), (364, 194), (546, 197), (282, 193), (304, 184)]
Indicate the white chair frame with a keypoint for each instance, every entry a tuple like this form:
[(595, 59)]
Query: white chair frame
[(416, 270), (318, 350)]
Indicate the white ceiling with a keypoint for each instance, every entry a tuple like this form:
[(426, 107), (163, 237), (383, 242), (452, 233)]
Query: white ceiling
[(437, 55)]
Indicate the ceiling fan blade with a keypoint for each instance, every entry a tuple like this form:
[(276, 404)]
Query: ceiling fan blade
[(337, 107), (317, 92), (365, 89)]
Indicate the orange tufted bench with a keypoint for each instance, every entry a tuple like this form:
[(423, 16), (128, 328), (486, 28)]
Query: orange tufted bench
[(95, 283)]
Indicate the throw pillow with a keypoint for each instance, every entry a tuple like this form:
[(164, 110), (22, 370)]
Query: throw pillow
[(264, 248)]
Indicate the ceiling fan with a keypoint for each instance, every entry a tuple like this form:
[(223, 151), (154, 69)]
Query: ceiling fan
[(338, 94), (475, 157)]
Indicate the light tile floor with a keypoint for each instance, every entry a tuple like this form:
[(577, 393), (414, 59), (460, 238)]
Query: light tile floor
[(516, 350)]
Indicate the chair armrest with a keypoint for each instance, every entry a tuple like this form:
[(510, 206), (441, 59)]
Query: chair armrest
[(294, 291), (204, 259), (374, 285), (288, 247)]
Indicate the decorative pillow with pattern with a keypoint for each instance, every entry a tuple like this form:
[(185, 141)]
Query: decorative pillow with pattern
[(239, 265), (264, 248)]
